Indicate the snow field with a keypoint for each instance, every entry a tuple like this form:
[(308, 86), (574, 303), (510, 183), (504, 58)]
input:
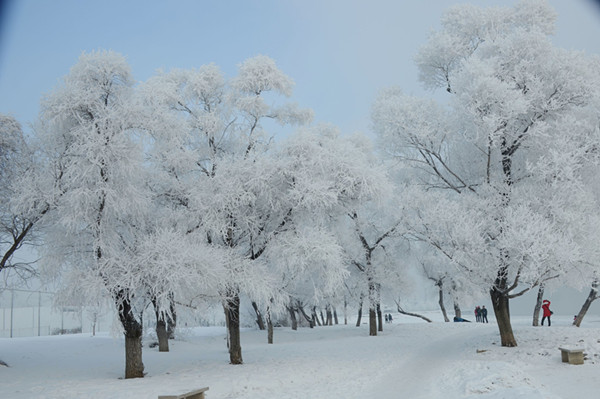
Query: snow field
[(410, 359)]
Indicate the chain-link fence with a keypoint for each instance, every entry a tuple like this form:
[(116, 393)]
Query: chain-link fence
[(26, 313)]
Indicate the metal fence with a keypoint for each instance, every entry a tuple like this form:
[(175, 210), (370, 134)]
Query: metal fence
[(25, 313)]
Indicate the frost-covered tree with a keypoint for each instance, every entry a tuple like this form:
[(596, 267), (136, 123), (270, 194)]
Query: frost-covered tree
[(500, 164), (437, 269), (369, 232), (322, 176), (17, 223), (99, 210), (592, 271), (208, 140)]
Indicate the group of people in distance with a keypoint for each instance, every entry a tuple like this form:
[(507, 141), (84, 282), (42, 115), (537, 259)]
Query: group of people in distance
[(388, 318), (481, 314)]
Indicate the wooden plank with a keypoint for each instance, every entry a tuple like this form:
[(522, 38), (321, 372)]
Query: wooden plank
[(197, 394)]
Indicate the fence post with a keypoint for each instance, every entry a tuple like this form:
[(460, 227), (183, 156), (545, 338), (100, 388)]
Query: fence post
[(12, 305), (39, 311)]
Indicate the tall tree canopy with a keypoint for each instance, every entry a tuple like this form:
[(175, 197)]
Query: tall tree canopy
[(505, 200)]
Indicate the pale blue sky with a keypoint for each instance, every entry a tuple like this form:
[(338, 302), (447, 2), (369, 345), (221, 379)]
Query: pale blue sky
[(340, 53)]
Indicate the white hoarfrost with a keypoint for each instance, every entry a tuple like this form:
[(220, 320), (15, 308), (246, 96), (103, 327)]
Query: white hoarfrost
[(498, 171)]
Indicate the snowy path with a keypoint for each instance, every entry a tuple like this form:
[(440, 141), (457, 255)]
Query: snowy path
[(408, 360), (448, 365), (417, 372)]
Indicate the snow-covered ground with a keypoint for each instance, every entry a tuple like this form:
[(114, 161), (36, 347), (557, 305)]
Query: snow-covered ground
[(410, 359)]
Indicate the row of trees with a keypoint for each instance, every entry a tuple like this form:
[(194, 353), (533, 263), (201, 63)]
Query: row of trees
[(172, 190), (509, 164)]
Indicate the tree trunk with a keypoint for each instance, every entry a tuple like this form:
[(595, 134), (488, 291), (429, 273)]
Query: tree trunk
[(329, 315), (161, 328), (457, 311), (335, 317), (134, 366), (292, 313), (322, 317), (227, 339), (441, 300), (373, 302), (500, 300), (402, 311), (593, 295), (310, 321), (232, 311), (538, 306), (162, 334), (269, 327), (500, 304), (94, 321), (172, 317), (315, 317), (372, 322), (259, 318), (345, 311), (359, 317), (379, 318)]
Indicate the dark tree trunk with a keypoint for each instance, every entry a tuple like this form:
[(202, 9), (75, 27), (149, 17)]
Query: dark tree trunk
[(457, 311), (232, 311), (402, 311), (441, 300), (374, 310), (345, 312), (161, 328), (322, 317), (538, 306), (259, 318), (593, 295), (134, 366), (172, 317), (308, 319), (162, 334), (94, 321), (373, 303), (500, 303), (329, 315), (498, 293), (315, 318), (335, 317), (269, 327), (379, 318), (299, 317), (292, 313), (359, 317), (372, 322)]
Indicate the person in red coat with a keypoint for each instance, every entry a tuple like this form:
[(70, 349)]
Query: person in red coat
[(547, 312)]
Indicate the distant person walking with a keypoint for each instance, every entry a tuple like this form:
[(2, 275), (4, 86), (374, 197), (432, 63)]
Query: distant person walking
[(547, 312), (484, 315), (477, 314)]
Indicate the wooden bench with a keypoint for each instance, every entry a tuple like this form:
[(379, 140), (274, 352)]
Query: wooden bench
[(197, 394), (571, 355)]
